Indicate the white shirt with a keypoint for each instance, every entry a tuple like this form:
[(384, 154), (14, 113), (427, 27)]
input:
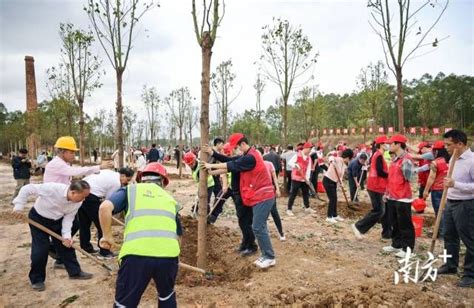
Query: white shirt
[(115, 157), (104, 184), (52, 203), (292, 162), (141, 163)]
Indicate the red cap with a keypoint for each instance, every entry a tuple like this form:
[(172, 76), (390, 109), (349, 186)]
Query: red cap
[(438, 145), (189, 158), (158, 169), (234, 139), (397, 138), (423, 144), (381, 139), (307, 145)]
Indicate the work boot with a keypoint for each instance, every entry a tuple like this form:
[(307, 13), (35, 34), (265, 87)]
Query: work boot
[(39, 286), (466, 282), (81, 276), (446, 270), (211, 219)]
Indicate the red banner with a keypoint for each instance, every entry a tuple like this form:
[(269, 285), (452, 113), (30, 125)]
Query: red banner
[(325, 131), (338, 131), (390, 129), (346, 131), (413, 130), (362, 130), (381, 130), (435, 130), (371, 130), (353, 131), (331, 131)]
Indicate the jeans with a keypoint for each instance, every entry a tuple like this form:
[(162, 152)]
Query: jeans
[(403, 235), (378, 211), (259, 226), (435, 201), (331, 190), (89, 213), (245, 217), (459, 225), (276, 218), (295, 185), (136, 272), (40, 247)]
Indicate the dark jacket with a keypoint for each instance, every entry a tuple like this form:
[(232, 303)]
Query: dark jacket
[(21, 170), (153, 155), (274, 158)]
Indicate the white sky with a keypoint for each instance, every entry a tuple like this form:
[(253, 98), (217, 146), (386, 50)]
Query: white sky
[(166, 54)]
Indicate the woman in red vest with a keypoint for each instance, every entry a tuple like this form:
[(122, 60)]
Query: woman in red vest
[(256, 189), (423, 173), (399, 197), (376, 186), (438, 171), (301, 171)]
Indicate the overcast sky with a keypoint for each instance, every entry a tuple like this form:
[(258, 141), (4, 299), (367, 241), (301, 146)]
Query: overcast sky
[(166, 54)]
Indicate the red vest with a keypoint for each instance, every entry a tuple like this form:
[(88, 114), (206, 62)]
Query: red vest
[(441, 172), (374, 182), (423, 176), (398, 187), (299, 175), (256, 185)]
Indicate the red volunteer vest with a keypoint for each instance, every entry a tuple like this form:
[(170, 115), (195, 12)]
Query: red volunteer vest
[(423, 176), (374, 182), (398, 187), (441, 172), (300, 174), (256, 185)]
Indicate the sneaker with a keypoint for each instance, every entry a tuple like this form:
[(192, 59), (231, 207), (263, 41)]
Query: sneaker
[(90, 250), (106, 256), (258, 260), (265, 263), (39, 286), (402, 254), (248, 252), (390, 249), (466, 282), (338, 218), (356, 231), (331, 220), (81, 276), (289, 213), (58, 265), (309, 210), (282, 238)]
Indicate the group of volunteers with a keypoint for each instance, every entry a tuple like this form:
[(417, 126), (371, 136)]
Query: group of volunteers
[(249, 176)]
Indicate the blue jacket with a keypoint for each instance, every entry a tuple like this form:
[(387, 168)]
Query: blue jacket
[(21, 170), (153, 155)]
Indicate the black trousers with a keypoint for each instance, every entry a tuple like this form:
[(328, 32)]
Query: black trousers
[(374, 216), (331, 190), (135, 274), (403, 234), (288, 181), (245, 218), (40, 247), (220, 204), (89, 213), (295, 186), (459, 225), (352, 188), (276, 218)]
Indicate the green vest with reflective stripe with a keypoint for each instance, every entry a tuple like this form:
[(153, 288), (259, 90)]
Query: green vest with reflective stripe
[(150, 223), (210, 179)]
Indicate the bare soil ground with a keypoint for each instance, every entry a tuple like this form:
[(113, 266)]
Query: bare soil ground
[(319, 265)]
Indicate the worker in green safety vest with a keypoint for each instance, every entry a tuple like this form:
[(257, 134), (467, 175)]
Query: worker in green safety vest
[(150, 246), (191, 161)]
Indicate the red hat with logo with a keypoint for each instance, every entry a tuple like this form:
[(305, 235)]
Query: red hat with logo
[(424, 144), (438, 145), (397, 138), (381, 139), (234, 139), (307, 145)]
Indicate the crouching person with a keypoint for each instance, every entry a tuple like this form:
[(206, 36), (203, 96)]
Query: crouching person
[(55, 208), (150, 246)]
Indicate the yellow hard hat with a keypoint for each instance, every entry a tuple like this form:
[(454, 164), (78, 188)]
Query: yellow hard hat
[(67, 143)]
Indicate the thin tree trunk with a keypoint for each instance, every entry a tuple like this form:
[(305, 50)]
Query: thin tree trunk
[(401, 121), (119, 110), (181, 147), (206, 50), (285, 120), (81, 130)]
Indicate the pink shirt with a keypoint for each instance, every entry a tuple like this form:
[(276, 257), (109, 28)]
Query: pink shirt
[(339, 165), (58, 171)]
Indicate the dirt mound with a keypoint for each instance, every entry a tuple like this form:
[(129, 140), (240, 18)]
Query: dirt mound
[(354, 211), (6, 218), (223, 262)]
